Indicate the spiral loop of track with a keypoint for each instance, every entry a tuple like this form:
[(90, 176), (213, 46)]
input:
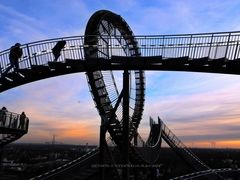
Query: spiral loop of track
[(105, 29)]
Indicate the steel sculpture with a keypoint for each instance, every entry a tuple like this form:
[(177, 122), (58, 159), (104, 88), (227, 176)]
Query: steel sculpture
[(109, 46)]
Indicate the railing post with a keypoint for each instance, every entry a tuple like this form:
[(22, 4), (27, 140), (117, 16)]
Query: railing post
[(163, 47), (236, 50), (28, 51), (35, 58), (195, 47), (10, 120), (215, 55), (102, 147), (227, 45), (190, 44), (210, 46)]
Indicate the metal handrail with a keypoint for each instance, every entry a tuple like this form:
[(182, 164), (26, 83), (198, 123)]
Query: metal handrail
[(10, 120), (81, 159), (199, 174), (211, 45), (177, 143)]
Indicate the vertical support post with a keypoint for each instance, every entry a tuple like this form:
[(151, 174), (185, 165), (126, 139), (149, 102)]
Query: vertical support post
[(235, 54), (101, 148), (189, 48), (125, 147), (30, 61), (163, 46), (135, 139), (227, 45), (210, 46)]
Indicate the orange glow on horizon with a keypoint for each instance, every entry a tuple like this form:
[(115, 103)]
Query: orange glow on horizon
[(235, 144)]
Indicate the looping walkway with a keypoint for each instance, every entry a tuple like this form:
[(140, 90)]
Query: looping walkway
[(208, 52), (109, 44), (194, 46)]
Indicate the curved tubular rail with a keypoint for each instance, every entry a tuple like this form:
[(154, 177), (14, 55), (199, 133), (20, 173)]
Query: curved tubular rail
[(114, 27), (11, 127), (210, 172), (149, 151), (90, 158), (102, 23), (154, 138), (68, 166)]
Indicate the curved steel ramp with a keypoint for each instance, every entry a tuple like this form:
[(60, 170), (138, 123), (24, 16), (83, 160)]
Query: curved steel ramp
[(11, 128), (228, 173), (208, 52), (68, 170), (185, 153)]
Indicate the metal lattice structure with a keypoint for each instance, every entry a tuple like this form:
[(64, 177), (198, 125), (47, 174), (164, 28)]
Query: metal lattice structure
[(109, 46), (105, 28), (209, 52)]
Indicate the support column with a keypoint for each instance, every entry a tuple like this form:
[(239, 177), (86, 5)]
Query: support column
[(125, 147), (102, 148), (135, 138)]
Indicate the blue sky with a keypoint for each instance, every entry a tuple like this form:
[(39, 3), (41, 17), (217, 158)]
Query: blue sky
[(198, 107)]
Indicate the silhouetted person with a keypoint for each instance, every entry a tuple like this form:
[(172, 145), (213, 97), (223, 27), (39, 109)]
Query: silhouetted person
[(3, 115), (22, 120), (14, 123), (56, 50), (14, 56)]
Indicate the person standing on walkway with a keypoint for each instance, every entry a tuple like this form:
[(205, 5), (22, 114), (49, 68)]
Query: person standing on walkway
[(14, 56), (3, 115), (22, 120), (56, 50)]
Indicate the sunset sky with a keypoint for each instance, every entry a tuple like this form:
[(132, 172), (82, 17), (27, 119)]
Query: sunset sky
[(201, 109)]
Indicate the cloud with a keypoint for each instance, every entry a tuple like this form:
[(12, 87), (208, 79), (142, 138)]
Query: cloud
[(194, 105), (207, 111), (19, 27), (60, 106), (183, 16)]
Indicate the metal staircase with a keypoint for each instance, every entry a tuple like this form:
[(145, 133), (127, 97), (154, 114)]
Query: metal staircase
[(207, 52), (109, 44), (185, 153)]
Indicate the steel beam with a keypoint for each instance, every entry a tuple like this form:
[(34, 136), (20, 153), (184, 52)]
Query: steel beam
[(125, 147)]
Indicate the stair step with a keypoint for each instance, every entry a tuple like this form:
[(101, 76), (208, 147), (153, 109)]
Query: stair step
[(40, 68), (25, 71), (175, 61), (14, 76), (4, 80), (75, 64), (198, 62), (217, 62), (234, 65), (57, 65)]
